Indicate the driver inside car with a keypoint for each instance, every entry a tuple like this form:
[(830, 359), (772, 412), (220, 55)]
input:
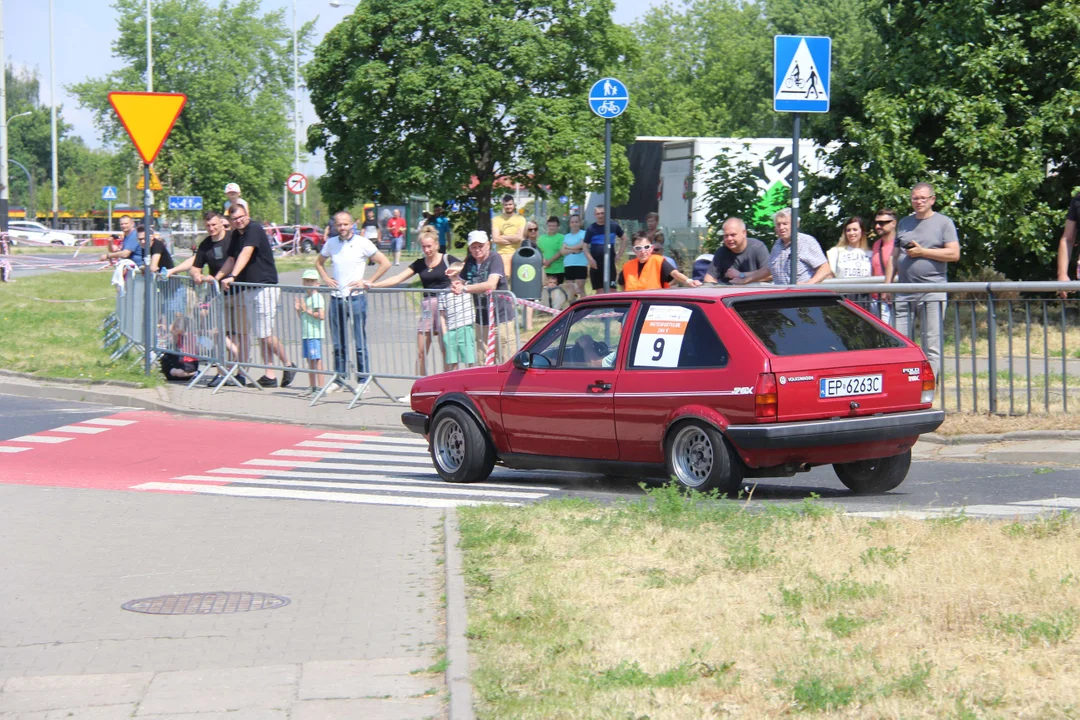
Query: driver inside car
[(592, 353)]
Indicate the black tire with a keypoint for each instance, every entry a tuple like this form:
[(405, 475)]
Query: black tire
[(699, 458), (306, 246), (869, 477), (460, 448), (57, 242)]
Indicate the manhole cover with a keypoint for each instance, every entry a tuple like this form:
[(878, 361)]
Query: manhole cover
[(208, 603)]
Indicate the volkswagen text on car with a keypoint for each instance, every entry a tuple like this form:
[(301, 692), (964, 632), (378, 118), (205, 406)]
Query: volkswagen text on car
[(706, 386)]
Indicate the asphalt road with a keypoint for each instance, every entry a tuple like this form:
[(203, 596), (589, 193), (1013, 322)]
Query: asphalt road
[(121, 449)]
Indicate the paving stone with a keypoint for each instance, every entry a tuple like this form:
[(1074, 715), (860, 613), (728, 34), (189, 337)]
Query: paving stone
[(220, 690), (414, 709), (261, 714), (99, 712), (376, 678), (55, 692)]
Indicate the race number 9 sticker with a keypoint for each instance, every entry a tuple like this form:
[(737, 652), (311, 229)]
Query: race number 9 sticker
[(661, 337)]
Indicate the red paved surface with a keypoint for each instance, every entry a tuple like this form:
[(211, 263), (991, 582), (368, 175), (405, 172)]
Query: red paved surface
[(157, 447)]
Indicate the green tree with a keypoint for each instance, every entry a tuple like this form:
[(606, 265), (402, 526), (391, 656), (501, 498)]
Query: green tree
[(432, 97), (705, 70), (978, 98), (234, 63), (30, 141)]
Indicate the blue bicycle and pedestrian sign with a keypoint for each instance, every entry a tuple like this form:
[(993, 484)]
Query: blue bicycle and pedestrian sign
[(108, 192), (802, 67), (185, 202), (608, 98)]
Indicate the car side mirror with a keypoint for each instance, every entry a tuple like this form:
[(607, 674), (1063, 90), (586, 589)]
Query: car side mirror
[(523, 360)]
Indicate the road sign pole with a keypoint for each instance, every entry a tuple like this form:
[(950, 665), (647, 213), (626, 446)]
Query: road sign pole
[(148, 315), (607, 205), (110, 217), (795, 201)]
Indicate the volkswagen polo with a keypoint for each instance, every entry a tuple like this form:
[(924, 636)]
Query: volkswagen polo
[(708, 387)]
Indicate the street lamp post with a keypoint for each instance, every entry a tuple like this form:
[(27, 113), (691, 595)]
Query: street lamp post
[(30, 187), (5, 181), (52, 113), (296, 108)]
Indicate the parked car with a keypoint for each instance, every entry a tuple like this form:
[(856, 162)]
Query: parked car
[(708, 387), (311, 237), (35, 231)]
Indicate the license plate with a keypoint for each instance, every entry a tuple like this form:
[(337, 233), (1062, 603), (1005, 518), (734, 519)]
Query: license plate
[(846, 386)]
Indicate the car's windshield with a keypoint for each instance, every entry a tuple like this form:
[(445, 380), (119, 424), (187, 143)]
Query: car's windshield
[(808, 325)]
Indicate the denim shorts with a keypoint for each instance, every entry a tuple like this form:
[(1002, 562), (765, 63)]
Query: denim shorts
[(313, 348)]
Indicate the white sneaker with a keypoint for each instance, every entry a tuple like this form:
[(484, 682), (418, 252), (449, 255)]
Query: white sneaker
[(405, 399)]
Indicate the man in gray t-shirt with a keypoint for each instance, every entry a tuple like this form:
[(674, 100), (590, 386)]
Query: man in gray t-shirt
[(926, 242)]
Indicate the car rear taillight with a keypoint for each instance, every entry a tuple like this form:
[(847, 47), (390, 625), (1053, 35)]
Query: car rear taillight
[(765, 405), (929, 383)]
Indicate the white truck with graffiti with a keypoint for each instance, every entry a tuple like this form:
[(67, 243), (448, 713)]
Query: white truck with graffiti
[(687, 166)]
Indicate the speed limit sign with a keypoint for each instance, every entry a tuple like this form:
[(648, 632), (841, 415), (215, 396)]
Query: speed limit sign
[(296, 183)]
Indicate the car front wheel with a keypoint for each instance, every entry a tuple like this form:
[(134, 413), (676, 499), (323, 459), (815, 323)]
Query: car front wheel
[(867, 477), (460, 449), (699, 458), (306, 246)]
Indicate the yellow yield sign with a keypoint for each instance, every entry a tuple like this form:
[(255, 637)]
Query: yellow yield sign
[(148, 118)]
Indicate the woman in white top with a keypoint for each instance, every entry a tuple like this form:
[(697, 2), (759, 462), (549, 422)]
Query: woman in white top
[(851, 256)]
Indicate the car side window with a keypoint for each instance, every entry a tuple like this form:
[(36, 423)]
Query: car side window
[(593, 337), (675, 337), (545, 350), (587, 337)]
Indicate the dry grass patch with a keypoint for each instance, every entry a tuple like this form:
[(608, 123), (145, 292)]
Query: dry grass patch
[(695, 608), (971, 424)]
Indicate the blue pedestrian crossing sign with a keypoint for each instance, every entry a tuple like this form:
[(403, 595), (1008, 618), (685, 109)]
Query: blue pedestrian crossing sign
[(802, 66), (108, 192), (185, 202), (608, 98)]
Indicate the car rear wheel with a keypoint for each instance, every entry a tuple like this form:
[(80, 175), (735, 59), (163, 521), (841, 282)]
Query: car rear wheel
[(699, 458), (460, 449), (867, 477), (306, 246)]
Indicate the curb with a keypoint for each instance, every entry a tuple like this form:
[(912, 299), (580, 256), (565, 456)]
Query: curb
[(1016, 435), (457, 646), (80, 394)]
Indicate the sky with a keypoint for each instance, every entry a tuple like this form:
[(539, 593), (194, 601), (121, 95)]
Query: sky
[(84, 32)]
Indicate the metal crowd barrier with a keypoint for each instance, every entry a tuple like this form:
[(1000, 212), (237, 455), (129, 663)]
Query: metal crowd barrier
[(190, 321), (1008, 347), (264, 329), (130, 329)]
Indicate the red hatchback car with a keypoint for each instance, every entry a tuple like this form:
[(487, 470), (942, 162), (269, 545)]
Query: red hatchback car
[(705, 386)]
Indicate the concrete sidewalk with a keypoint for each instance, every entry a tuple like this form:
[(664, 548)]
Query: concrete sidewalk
[(361, 635)]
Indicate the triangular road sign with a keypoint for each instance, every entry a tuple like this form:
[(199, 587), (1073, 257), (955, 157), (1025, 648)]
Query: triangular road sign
[(155, 182), (802, 81), (148, 118)]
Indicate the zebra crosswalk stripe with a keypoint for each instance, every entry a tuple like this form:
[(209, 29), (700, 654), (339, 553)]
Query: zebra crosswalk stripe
[(355, 457), (444, 489), (395, 479), (358, 498), (374, 438)]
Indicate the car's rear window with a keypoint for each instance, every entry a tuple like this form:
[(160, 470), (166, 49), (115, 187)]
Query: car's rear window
[(810, 325)]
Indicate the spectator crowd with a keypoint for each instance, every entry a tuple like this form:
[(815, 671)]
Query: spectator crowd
[(463, 302)]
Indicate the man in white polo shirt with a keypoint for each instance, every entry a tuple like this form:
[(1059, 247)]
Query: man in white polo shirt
[(349, 254)]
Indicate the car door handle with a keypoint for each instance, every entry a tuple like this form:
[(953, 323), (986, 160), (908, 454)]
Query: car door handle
[(599, 385)]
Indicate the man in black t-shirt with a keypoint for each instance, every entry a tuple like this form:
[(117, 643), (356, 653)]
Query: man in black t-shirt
[(251, 260), (738, 257), (213, 254), (159, 254)]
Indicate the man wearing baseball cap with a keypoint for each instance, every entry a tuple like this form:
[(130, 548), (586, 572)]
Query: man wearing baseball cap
[(483, 272)]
